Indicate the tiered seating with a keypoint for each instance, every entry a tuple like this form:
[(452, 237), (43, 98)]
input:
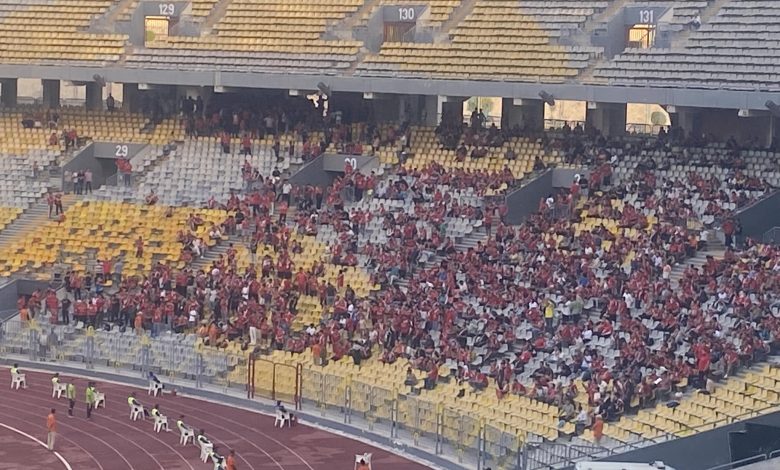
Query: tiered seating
[(170, 130), (7, 215), (520, 49), (52, 32), (199, 11), (738, 398), (684, 10), (735, 49), (262, 35), (20, 187), (438, 11), (427, 149), (561, 17), (100, 230), (96, 125), (751, 181), (199, 171)]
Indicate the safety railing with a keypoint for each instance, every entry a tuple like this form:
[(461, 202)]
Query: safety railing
[(171, 356)]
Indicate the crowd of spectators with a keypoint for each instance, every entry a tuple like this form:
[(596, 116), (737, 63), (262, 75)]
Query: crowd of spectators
[(552, 309)]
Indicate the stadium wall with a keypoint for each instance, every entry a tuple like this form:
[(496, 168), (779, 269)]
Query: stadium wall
[(710, 448), (525, 200), (757, 219)]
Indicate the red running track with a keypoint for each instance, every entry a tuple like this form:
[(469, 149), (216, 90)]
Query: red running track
[(110, 441)]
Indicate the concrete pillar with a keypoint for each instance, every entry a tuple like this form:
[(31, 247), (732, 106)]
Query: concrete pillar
[(51, 93), (94, 96), (131, 97), (609, 118), (9, 92), (526, 113), (510, 114), (450, 107), (385, 109), (686, 119)]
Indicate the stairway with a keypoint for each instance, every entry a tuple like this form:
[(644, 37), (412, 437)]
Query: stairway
[(31, 219), (213, 254), (706, 14), (458, 14), (715, 248)]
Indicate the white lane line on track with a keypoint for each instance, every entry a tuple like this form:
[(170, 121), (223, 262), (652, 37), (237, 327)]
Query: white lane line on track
[(39, 442), (123, 424)]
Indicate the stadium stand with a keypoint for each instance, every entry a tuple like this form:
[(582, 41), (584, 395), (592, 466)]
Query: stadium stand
[(280, 37), (51, 32), (733, 49), (521, 48), (628, 299)]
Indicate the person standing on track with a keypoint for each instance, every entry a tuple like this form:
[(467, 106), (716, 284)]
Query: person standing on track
[(51, 428), (90, 399), (231, 461), (70, 392)]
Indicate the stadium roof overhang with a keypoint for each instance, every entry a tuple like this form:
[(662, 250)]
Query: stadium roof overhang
[(681, 97)]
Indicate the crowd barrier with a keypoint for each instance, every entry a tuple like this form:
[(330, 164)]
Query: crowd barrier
[(170, 357)]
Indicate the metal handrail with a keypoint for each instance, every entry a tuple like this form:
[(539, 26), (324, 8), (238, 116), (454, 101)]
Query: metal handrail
[(740, 462)]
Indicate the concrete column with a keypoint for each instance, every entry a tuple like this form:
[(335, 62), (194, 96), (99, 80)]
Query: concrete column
[(94, 96), (51, 93), (609, 118), (686, 119), (510, 114), (385, 109), (9, 92), (131, 97), (526, 113), (450, 106)]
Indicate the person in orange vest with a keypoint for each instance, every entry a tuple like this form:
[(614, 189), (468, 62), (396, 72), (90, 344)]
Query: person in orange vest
[(51, 428), (231, 461)]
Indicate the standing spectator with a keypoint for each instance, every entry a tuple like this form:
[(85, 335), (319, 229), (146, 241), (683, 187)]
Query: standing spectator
[(110, 103), (87, 181), (51, 428), (728, 231)]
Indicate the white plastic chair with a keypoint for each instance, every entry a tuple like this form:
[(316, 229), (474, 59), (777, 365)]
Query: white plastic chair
[(155, 388), (205, 450), (365, 458), (160, 422), (57, 389), (100, 399), (18, 380), (281, 418), (136, 412), (187, 435)]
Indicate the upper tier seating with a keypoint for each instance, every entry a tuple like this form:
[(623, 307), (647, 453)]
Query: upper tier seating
[(94, 125), (265, 35), (199, 11), (736, 49), (520, 47), (51, 32), (438, 11)]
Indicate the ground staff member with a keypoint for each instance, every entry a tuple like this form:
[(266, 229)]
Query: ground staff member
[(70, 392)]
